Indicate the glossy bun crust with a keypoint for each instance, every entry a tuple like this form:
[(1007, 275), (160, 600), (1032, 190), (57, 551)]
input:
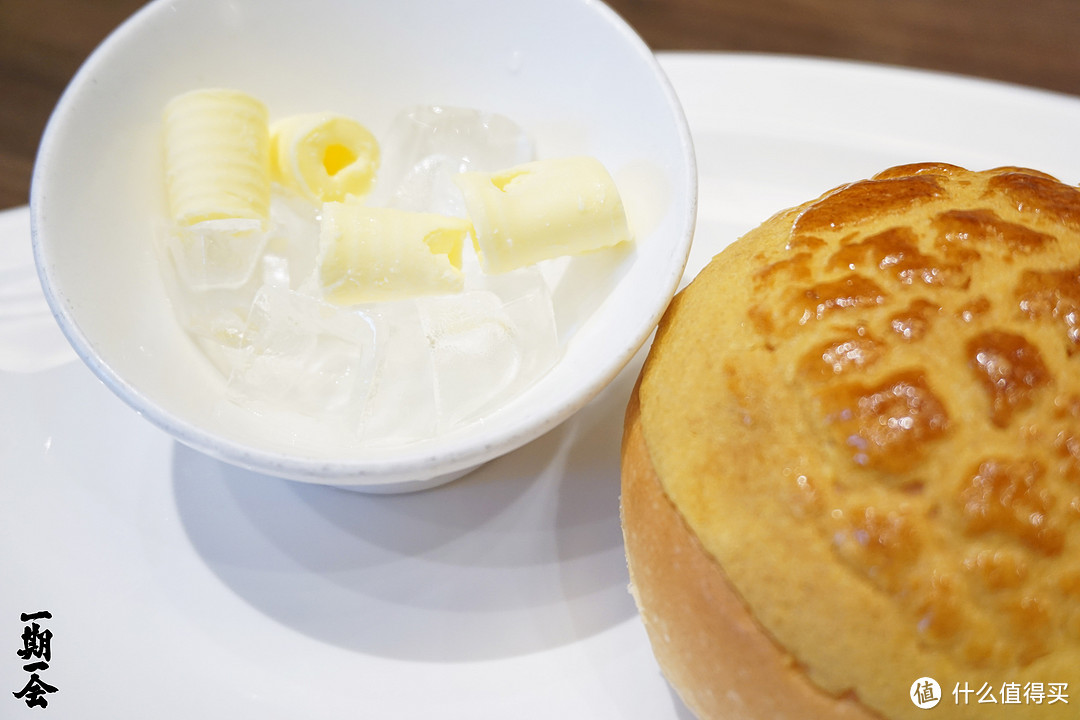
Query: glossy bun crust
[(853, 456)]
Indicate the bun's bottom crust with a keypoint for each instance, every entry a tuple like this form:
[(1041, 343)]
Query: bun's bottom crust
[(711, 649)]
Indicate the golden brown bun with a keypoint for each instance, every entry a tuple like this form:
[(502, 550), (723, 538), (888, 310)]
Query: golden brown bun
[(853, 456), (705, 639)]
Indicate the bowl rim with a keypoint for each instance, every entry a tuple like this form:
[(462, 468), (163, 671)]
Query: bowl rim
[(410, 467)]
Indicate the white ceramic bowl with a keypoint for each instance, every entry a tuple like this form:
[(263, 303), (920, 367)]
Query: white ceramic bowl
[(569, 71)]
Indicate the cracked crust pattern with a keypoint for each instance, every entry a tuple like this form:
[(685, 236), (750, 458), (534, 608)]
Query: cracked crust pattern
[(868, 411)]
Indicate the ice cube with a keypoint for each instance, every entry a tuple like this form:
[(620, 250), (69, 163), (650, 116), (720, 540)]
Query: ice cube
[(216, 254), (293, 238), (475, 352), (426, 146), (527, 302), (488, 344), (305, 355), (216, 317), (401, 406), (526, 297)]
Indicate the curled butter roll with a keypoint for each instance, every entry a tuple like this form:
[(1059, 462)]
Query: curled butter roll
[(323, 156), (217, 156), (542, 210), (372, 254)]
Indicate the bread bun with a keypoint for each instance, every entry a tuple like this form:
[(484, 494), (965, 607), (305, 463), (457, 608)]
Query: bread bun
[(852, 459)]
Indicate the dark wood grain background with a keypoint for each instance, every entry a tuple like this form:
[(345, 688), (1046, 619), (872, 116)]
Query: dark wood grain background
[(1032, 42)]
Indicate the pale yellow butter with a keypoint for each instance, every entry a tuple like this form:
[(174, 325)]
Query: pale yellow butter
[(324, 156), (371, 254), (542, 210), (217, 156)]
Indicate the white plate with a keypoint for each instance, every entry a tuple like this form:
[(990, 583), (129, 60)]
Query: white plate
[(181, 587)]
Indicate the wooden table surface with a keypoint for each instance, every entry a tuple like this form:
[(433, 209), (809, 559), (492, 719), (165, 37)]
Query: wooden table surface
[(1032, 42)]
